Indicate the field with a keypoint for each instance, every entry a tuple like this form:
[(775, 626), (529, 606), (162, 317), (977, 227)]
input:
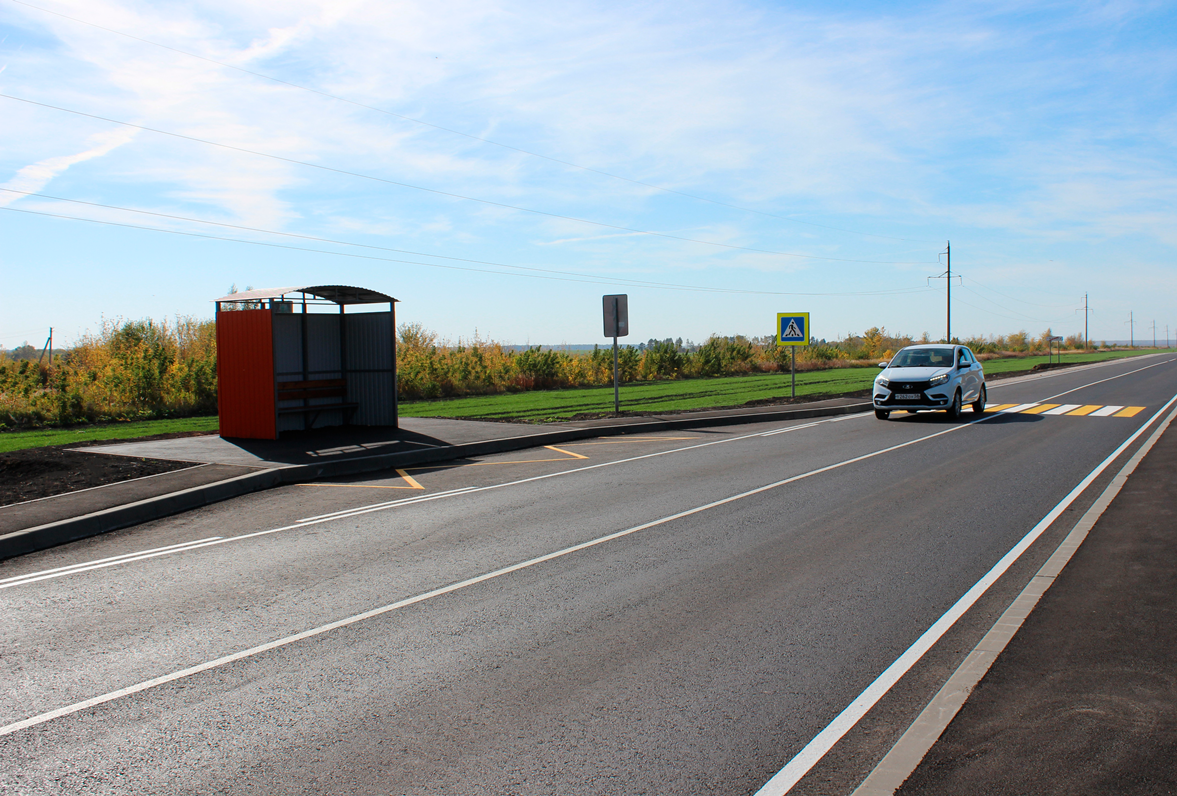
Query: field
[(41, 437), (553, 405)]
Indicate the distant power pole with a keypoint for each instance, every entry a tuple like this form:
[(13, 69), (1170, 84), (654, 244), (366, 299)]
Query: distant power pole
[(48, 347), (1131, 330), (947, 275), (1086, 318), (1154, 334)]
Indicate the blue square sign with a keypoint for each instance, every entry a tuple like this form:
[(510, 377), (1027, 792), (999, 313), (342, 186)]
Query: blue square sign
[(792, 328)]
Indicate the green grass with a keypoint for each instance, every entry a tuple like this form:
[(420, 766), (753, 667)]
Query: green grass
[(663, 396), (19, 440)]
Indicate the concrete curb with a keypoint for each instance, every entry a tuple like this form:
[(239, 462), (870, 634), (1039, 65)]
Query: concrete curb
[(56, 533)]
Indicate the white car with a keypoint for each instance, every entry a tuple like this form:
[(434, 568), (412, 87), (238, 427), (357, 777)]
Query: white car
[(929, 377)]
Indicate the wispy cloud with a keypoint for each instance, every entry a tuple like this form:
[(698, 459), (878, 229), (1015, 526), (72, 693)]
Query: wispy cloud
[(36, 176)]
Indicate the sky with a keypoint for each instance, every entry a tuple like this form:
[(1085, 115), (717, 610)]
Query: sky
[(498, 166)]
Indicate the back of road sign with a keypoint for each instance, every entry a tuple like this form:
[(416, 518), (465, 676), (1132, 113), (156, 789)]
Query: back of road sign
[(792, 328), (616, 315)]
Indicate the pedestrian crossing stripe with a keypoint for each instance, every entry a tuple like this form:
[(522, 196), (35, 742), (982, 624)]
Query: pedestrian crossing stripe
[(1071, 410)]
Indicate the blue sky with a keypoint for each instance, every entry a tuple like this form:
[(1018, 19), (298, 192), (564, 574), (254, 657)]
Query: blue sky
[(719, 162)]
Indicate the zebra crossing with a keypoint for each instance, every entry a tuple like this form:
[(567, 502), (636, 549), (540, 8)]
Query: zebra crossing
[(1068, 410)]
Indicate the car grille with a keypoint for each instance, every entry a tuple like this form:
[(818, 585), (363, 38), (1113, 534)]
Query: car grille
[(910, 386)]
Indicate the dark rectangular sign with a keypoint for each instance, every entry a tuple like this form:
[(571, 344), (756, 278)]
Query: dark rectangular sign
[(616, 315)]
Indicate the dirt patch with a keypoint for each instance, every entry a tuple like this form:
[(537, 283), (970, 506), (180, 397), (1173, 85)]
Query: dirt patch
[(42, 472)]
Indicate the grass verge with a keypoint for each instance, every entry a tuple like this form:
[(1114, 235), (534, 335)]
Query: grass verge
[(665, 396), (19, 440)]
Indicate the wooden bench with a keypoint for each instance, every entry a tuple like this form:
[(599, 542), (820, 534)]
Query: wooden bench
[(314, 389)]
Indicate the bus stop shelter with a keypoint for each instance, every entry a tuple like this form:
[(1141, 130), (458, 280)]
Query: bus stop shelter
[(293, 358)]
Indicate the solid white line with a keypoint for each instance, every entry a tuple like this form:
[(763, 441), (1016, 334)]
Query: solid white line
[(1106, 411), (897, 765), (1109, 378), (102, 561), (1062, 410), (784, 780), (351, 620), (470, 490), (126, 558)]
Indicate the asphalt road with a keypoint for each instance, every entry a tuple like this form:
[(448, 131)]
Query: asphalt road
[(676, 613)]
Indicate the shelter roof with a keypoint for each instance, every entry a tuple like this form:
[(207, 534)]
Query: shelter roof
[(339, 294)]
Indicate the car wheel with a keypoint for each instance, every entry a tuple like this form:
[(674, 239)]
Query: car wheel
[(954, 409), (979, 404), (882, 414)]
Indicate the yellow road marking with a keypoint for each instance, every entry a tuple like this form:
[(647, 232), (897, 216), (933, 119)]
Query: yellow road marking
[(1129, 411), (361, 486), (409, 479), (1084, 410), (1039, 409), (561, 450), (629, 440), (999, 407)]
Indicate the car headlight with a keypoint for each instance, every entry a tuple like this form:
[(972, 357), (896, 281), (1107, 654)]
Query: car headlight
[(938, 380), (879, 380)]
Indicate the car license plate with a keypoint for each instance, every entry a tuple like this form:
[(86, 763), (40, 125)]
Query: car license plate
[(907, 396)]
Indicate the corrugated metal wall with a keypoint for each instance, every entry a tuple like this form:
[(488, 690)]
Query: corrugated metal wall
[(245, 374), (369, 364), (370, 376)]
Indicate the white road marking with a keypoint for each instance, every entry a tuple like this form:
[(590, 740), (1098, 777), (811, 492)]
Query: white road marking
[(32, 577), (1106, 411), (897, 765), (343, 513), (784, 780), (1109, 378), (41, 718), (1062, 410), (1018, 408)]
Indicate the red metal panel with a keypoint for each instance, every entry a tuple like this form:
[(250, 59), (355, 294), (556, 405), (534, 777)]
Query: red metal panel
[(245, 374)]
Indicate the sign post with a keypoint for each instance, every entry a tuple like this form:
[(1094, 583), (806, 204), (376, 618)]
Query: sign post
[(616, 312), (792, 329)]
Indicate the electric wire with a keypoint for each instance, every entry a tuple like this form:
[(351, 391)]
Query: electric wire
[(459, 132), (1013, 298), (628, 280), (586, 278), (1007, 309), (449, 194)]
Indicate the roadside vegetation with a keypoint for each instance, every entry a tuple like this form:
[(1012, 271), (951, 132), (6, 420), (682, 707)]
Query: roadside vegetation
[(166, 370)]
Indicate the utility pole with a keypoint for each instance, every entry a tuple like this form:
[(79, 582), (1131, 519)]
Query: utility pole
[(1154, 334), (48, 347), (948, 304), (1086, 318), (1131, 330)]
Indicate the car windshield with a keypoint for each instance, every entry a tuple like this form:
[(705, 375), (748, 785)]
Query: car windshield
[(923, 358)]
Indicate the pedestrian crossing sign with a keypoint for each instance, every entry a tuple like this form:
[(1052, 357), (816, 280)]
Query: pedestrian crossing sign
[(792, 328)]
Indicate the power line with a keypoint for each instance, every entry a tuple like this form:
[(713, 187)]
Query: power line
[(1008, 309), (439, 192), (1013, 298), (459, 132), (637, 282), (584, 278)]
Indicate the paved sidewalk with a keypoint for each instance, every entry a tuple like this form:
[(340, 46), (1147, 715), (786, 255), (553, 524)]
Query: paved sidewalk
[(224, 469), (1084, 698)]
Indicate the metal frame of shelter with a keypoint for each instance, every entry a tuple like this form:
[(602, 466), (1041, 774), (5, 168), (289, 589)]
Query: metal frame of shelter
[(282, 366)]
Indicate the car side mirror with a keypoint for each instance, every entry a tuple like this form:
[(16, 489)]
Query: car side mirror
[(884, 364)]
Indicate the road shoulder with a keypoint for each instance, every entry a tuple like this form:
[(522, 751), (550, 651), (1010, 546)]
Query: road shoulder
[(1083, 700)]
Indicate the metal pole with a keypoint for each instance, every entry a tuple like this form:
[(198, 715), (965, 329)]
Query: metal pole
[(793, 368), (616, 392), (948, 324)]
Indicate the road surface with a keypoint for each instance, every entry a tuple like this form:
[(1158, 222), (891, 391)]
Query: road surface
[(672, 613)]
